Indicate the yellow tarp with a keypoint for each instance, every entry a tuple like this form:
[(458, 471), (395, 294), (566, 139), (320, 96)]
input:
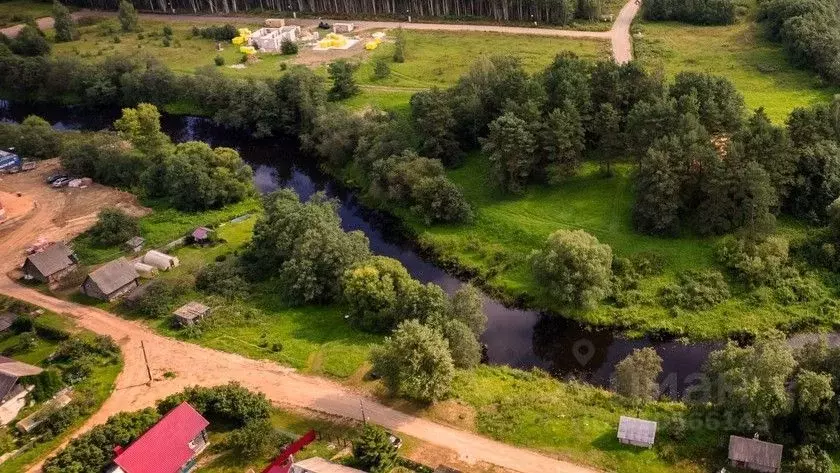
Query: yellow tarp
[(238, 40), (247, 50), (371, 45)]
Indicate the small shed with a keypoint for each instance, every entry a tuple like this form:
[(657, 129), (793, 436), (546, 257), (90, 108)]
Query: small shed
[(201, 235), (638, 432), (6, 320), (160, 260), (342, 27), (135, 245), (190, 312), (111, 281), (50, 265), (754, 454)]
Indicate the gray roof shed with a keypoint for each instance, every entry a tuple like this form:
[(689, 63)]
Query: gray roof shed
[(6, 320), (114, 275), (53, 259), (639, 432), (755, 454), (189, 312), (11, 370)]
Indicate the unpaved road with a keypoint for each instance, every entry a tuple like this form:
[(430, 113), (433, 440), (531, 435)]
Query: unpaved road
[(618, 35), (60, 215)]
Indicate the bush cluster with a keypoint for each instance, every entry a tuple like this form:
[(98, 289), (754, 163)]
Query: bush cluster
[(225, 32), (696, 290), (113, 227), (699, 12), (228, 404)]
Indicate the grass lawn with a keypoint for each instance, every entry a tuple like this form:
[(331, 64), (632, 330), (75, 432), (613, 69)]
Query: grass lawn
[(507, 228), (98, 385), (17, 11), (577, 422), (759, 68)]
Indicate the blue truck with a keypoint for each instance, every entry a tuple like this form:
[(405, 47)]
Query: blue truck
[(10, 162)]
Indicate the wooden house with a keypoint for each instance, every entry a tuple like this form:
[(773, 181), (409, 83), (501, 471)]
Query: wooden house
[(111, 281), (50, 265), (754, 454)]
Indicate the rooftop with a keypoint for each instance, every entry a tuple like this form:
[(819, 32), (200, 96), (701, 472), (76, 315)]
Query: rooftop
[(114, 275), (192, 310), (164, 448), (53, 259), (755, 451), (637, 430)]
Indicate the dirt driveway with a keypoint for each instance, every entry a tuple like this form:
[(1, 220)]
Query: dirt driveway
[(52, 214)]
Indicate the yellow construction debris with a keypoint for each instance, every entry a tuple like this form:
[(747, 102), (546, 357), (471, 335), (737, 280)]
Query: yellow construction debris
[(333, 40), (247, 50)]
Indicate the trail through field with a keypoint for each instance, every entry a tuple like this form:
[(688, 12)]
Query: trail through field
[(618, 35)]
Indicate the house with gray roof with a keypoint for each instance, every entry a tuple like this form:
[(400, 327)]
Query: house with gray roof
[(50, 265), (754, 454), (13, 392), (111, 281), (638, 432)]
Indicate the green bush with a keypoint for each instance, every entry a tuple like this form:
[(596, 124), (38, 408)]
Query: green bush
[(46, 384), (224, 279), (219, 60), (219, 33), (114, 227), (373, 450), (573, 267), (229, 404), (30, 42), (700, 12), (381, 69), (696, 290), (127, 15), (811, 459), (288, 47), (757, 263), (159, 296), (256, 439)]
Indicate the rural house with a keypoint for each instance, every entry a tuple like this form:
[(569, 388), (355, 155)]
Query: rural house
[(753, 454), (319, 465), (638, 432), (111, 281), (51, 264), (12, 393), (191, 312), (170, 446)]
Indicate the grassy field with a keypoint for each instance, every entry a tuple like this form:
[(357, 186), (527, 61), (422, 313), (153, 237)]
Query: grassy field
[(758, 68), (98, 385), (507, 228), (17, 11), (574, 421)]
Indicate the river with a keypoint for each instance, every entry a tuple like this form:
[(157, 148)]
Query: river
[(515, 337)]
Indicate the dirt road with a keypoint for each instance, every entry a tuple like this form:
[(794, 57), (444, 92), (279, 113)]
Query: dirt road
[(62, 214), (618, 35), (193, 365)]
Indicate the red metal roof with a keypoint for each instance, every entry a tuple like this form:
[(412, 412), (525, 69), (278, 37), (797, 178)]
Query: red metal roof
[(165, 447)]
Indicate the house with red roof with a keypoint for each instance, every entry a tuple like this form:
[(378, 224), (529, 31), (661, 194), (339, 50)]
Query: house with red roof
[(170, 446)]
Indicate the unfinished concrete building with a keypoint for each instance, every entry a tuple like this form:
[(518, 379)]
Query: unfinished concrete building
[(270, 39)]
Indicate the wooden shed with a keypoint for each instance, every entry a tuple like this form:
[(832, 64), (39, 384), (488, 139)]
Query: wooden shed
[(638, 432), (111, 281), (754, 454), (190, 312), (50, 265), (135, 245)]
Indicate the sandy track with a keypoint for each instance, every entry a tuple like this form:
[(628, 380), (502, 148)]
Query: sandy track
[(195, 365)]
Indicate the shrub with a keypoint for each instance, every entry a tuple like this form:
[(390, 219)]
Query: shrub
[(696, 290), (439, 200), (219, 33), (374, 451), (65, 25), (288, 47), (344, 85), (94, 450), (37, 139), (701, 12), (159, 296), (167, 30), (811, 459), (167, 41), (224, 279), (415, 362), (219, 60), (79, 347), (114, 227), (381, 69), (229, 404), (399, 46), (30, 42), (573, 267), (463, 344), (756, 263), (636, 376), (256, 439), (127, 15), (46, 384)]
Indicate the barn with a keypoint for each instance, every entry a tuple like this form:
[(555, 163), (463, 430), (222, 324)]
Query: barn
[(111, 281)]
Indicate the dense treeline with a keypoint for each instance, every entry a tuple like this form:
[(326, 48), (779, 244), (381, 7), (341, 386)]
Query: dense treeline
[(557, 12), (701, 12), (809, 30)]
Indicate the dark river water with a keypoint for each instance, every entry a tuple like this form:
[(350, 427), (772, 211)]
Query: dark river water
[(515, 337)]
